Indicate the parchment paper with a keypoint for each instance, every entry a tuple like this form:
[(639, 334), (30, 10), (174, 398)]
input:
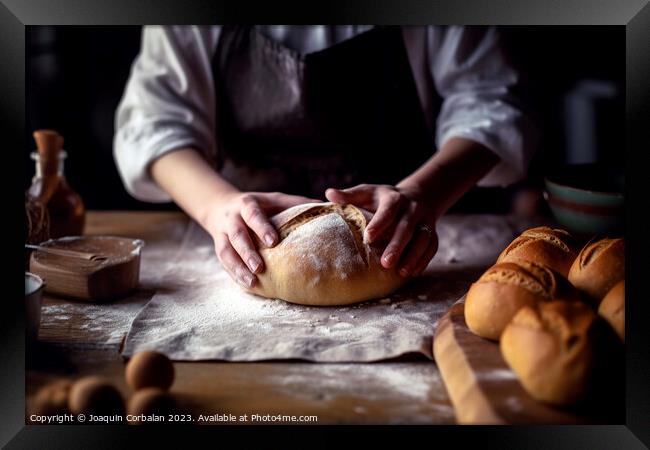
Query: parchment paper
[(199, 313)]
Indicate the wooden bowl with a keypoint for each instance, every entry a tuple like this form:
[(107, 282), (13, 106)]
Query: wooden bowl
[(84, 279)]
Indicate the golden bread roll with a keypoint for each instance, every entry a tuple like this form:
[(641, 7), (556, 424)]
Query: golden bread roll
[(506, 287), (321, 258), (557, 348), (599, 266), (612, 309), (553, 248)]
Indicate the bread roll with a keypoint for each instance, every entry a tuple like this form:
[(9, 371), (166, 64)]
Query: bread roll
[(598, 267), (321, 258), (553, 248), (556, 349), (505, 288), (612, 309)]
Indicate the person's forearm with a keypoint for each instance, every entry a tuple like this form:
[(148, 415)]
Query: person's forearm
[(452, 171), (191, 182)]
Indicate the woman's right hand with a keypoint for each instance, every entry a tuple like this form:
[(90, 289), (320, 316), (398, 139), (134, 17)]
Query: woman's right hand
[(236, 219)]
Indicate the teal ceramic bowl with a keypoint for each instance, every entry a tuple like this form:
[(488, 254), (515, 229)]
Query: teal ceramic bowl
[(587, 199)]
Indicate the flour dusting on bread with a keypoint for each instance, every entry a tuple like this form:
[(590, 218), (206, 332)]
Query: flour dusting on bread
[(336, 240), (321, 258)]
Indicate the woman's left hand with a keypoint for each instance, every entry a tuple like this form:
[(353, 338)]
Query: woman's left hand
[(402, 217)]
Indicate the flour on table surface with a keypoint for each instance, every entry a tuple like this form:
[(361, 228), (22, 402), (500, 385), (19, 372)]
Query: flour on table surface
[(417, 387), (473, 240), (215, 319), (103, 323), (199, 313), (109, 322)]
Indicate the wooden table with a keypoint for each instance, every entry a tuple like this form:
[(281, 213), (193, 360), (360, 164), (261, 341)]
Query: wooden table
[(70, 346)]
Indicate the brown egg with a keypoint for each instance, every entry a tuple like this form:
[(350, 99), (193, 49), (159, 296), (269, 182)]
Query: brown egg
[(150, 401), (95, 395), (52, 399), (149, 369)]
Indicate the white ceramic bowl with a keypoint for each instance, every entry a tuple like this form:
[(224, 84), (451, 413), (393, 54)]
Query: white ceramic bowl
[(33, 301)]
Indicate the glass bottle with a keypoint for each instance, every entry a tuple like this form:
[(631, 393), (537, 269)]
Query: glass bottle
[(49, 185)]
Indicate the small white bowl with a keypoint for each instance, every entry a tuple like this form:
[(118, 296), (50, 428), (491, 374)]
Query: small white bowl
[(33, 301)]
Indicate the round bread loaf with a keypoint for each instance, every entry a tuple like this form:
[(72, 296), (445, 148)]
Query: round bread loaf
[(599, 266), (553, 248), (321, 258), (612, 309), (506, 287), (553, 349)]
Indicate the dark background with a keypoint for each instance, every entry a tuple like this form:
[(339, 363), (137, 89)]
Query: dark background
[(76, 75)]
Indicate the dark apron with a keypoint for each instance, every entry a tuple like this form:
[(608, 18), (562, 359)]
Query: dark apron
[(300, 124)]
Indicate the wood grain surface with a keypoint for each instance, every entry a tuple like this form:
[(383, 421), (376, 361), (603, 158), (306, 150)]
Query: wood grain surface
[(77, 339), (483, 388)]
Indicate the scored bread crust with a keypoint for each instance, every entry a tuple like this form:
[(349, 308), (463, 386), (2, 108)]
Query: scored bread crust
[(311, 273), (551, 247), (551, 349), (505, 288), (599, 266)]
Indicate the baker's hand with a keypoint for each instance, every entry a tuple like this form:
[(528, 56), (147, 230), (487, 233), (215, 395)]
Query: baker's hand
[(231, 223), (402, 217)]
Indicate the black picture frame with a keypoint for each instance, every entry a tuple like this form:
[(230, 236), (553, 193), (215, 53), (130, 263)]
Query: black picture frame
[(634, 15)]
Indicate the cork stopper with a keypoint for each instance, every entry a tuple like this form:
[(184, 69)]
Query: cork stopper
[(49, 143), (50, 149)]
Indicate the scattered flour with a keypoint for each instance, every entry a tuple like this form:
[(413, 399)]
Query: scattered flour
[(102, 323), (211, 317), (200, 314), (109, 322), (417, 389)]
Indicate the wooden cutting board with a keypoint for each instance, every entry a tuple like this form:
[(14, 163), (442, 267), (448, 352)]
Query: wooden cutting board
[(483, 388)]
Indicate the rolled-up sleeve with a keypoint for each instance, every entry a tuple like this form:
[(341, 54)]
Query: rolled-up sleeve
[(472, 74), (168, 103)]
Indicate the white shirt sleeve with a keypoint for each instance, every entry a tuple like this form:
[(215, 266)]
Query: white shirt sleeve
[(471, 73), (169, 100), (168, 103)]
